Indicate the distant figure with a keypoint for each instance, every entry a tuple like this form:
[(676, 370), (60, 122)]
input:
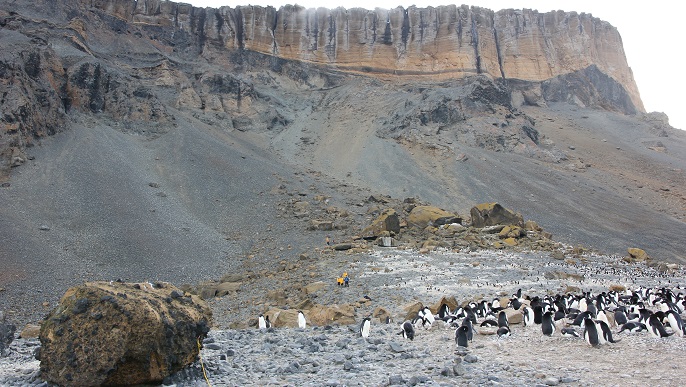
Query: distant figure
[(328, 240), (301, 320), (339, 280), (346, 279)]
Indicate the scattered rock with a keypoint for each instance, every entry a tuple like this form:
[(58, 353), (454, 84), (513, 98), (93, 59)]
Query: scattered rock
[(471, 358), (636, 255), (422, 216), (30, 331), (388, 221)]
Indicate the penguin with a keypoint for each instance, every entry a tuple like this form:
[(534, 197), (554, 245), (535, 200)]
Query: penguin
[(428, 317), (461, 336), (633, 326), (261, 322), (656, 328), (408, 330), (676, 323), (267, 323), (606, 332), (620, 316), (489, 323), (503, 331), (515, 303), (467, 322), (569, 332), (581, 317), (602, 317), (502, 320), (528, 316), (591, 333), (547, 324), (366, 327), (301, 319), (443, 311), (538, 314)]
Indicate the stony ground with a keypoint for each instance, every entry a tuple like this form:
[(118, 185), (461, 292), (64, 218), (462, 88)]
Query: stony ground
[(336, 355)]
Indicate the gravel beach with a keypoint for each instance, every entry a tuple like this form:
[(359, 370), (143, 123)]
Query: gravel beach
[(338, 356)]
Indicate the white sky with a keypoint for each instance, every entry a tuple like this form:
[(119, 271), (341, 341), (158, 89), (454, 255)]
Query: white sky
[(650, 32)]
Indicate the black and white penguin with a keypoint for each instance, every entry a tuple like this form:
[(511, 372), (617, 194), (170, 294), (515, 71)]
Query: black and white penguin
[(461, 336), (606, 332), (528, 316), (538, 314), (502, 320), (547, 324), (467, 322), (261, 322), (656, 328), (267, 322), (366, 327), (503, 331), (633, 326), (408, 330), (676, 323), (569, 332), (602, 317), (443, 311), (620, 316), (301, 320), (591, 333), (489, 323), (428, 317), (515, 303)]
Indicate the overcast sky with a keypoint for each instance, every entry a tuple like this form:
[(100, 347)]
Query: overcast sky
[(650, 31)]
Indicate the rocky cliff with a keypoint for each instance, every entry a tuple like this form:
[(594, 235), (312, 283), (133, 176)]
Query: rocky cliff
[(441, 42), (135, 62)]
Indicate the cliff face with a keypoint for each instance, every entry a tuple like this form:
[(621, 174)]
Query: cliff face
[(442, 42), (135, 63)]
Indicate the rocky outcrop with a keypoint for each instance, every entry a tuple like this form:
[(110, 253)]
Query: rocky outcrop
[(422, 216), (492, 214), (121, 334), (388, 221), (6, 334)]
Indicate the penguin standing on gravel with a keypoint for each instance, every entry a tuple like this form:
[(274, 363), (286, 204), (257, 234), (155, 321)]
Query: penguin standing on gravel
[(301, 320), (408, 330), (656, 328), (528, 316), (461, 336), (547, 324), (261, 322), (503, 325), (267, 322), (366, 327), (607, 333), (569, 332), (675, 322), (591, 333)]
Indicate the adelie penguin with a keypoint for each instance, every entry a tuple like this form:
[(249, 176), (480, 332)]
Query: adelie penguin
[(528, 316), (461, 336), (656, 328), (366, 327), (547, 324), (591, 333), (408, 330), (261, 322), (569, 332), (606, 332), (633, 326), (301, 320), (676, 323)]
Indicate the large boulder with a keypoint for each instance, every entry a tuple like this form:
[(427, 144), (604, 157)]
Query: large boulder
[(113, 333), (422, 216), (331, 314), (636, 255), (386, 222), (491, 214)]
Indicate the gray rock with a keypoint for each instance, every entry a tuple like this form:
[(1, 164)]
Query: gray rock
[(6, 336), (213, 346), (395, 347), (447, 371), (459, 370), (471, 358), (493, 378), (348, 365), (230, 352), (395, 380), (569, 379), (551, 381)]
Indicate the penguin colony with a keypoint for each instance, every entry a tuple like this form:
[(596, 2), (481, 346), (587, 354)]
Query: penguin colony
[(657, 311)]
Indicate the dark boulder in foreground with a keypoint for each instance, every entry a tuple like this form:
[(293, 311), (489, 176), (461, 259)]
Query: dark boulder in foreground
[(112, 333)]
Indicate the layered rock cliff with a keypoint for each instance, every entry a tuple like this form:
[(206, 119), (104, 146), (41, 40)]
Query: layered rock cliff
[(441, 42), (134, 62)]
